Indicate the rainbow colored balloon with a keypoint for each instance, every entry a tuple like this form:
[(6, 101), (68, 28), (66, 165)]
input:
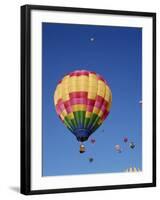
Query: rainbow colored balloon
[(83, 100)]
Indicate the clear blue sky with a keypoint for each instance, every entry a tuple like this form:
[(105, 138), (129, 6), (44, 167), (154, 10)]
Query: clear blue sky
[(116, 54)]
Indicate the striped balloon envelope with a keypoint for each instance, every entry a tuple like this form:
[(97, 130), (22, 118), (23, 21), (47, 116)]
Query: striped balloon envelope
[(82, 100)]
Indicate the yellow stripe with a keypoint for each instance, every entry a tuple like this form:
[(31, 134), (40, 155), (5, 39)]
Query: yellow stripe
[(88, 114), (65, 92), (78, 78), (63, 114), (79, 107), (96, 110), (78, 83), (107, 93), (70, 116), (99, 122), (57, 94), (92, 86), (100, 113), (109, 102), (101, 88)]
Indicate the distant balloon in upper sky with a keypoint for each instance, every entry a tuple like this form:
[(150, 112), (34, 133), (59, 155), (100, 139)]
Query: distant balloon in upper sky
[(92, 39)]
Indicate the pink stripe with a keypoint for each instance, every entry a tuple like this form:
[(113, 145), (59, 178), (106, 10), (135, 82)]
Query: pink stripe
[(91, 72), (78, 101), (79, 73), (58, 110), (67, 103), (98, 104), (103, 108), (90, 102), (101, 78), (89, 108), (69, 109), (60, 82), (105, 114), (78, 94), (99, 99)]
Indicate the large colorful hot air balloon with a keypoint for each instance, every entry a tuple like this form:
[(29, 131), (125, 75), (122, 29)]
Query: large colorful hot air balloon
[(83, 101)]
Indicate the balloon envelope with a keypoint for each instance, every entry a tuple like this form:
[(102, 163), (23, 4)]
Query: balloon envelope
[(83, 101), (132, 145), (93, 141), (125, 139), (118, 148), (91, 159)]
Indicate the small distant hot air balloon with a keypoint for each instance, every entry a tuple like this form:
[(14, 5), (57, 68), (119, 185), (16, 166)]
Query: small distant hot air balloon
[(93, 140), (125, 139), (118, 148), (83, 101), (133, 169), (132, 145), (91, 160)]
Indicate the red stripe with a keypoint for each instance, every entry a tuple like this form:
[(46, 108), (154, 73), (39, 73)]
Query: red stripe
[(101, 78), (79, 73), (99, 103), (105, 114), (60, 82), (78, 94), (69, 109), (81, 100), (60, 106), (90, 102), (67, 103), (103, 108), (89, 108), (99, 99), (91, 72)]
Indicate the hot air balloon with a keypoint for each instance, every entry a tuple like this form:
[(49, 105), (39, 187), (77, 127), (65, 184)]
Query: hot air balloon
[(118, 148), (93, 140), (133, 169), (125, 139), (82, 100), (132, 145), (90, 159)]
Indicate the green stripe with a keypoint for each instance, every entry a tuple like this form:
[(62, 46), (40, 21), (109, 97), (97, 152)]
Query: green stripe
[(73, 121), (92, 119), (68, 123), (96, 127), (86, 122), (94, 123), (80, 120), (82, 117), (77, 118)]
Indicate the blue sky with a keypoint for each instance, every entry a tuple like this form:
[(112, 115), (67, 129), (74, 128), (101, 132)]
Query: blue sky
[(115, 54)]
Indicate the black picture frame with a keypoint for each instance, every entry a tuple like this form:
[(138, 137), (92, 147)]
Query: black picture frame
[(25, 185)]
